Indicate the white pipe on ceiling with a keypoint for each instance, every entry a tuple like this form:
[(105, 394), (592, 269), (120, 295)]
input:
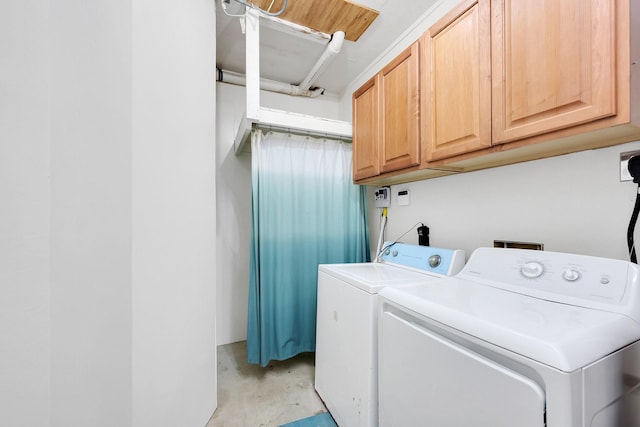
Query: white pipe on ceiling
[(266, 84), (333, 48), (303, 89)]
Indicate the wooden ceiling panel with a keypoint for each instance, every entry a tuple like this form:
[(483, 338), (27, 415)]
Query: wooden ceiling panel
[(327, 16)]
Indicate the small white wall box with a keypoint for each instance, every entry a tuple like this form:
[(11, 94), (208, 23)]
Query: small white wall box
[(403, 197), (383, 197)]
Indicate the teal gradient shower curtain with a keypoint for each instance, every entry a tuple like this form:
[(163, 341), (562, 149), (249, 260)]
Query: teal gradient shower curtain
[(305, 212)]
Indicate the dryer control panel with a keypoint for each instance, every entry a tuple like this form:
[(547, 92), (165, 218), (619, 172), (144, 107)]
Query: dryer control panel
[(580, 280)]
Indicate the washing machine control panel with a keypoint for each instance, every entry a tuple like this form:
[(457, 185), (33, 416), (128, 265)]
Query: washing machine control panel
[(579, 280), (424, 258)]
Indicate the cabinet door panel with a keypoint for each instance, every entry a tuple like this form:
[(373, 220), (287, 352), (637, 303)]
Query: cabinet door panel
[(365, 131), (552, 64), (456, 69), (400, 111)]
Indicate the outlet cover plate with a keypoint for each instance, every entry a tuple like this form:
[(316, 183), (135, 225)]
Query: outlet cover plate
[(624, 161)]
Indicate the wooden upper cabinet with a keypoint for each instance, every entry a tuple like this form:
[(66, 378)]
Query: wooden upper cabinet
[(553, 65), (400, 111), (366, 131), (456, 82), (496, 82), (386, 118)]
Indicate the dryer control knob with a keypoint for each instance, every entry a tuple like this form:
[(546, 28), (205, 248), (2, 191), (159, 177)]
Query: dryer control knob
[(532, 270), (571, 274)]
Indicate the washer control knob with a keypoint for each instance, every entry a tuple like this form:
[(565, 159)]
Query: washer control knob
[(571, 274), (532, 269), (395, 253), (387, 251), (434, 261)]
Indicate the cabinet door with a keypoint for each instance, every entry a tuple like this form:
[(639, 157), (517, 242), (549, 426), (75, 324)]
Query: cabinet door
[(366, 131), (552, 65), (456, 88), (400, 112)]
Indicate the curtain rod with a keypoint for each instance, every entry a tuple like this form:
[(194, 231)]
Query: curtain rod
[(299, 132)]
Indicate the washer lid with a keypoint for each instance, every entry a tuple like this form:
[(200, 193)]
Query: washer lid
[(372, 277), (563, 336)]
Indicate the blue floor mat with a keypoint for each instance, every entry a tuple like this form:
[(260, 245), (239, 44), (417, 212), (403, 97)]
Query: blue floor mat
[(321, 420)]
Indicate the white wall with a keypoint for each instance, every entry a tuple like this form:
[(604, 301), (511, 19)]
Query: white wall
[(90, 213), (25, 351), (173, 244), (107, 279), (573, 203), (234, 201)]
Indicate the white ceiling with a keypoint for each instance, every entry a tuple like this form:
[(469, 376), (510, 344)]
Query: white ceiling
[(288, 58)]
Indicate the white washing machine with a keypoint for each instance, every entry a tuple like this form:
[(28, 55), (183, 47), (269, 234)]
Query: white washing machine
[(346, 334), (517, 338)]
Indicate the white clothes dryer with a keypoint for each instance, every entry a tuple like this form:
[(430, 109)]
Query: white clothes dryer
[(517, 338), (347, 329)]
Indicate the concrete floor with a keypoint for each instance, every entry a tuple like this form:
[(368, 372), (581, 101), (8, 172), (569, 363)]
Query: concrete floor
[(252, 396)]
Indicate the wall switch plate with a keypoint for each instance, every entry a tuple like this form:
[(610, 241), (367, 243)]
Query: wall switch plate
[(624, 161), (383, 197)]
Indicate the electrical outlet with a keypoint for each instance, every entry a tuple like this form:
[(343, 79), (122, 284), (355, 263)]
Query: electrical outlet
[(624, 161), (383, 197)]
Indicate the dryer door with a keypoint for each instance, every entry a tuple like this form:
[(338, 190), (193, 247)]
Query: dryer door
[(427, 380)]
